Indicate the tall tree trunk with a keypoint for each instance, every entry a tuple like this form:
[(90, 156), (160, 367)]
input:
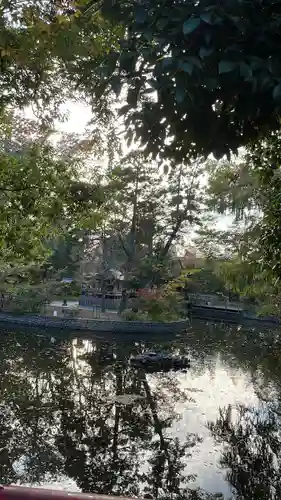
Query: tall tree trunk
[(103, 291), (157, 424), (130, 249), (172, 238), (179, 219), (133, 230)]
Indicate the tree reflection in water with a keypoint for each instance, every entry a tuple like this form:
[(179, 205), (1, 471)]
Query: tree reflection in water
[(76, 408), (90, 417), (251, 455), (251, 437)]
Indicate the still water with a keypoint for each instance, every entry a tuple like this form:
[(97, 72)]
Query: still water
[(74, 415)]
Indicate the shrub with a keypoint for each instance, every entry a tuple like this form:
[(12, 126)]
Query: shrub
[(72, 289), (27, 298), (130, 315), (161, 304)]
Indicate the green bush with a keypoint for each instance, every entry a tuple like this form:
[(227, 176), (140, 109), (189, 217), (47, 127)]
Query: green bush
[(161, 305), (27, 298), (68, 290), (129, 315)]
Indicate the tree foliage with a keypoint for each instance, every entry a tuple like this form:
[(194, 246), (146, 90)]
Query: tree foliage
[(250, 191), (250, 247), (265, 157), (174, 63), (204, 280), (197, 78), (150, 211), (43, 45), (250, 439), (234, 188), (40, 195), (205, 74)]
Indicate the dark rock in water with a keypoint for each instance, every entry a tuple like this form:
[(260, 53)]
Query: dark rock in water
[(153, 361)]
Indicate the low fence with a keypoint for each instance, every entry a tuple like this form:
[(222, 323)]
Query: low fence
[(216, 313), (231, 315), (111, 302), (202, 299)]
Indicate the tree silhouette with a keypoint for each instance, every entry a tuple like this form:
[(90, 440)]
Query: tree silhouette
[(77, 408), (252, 451)]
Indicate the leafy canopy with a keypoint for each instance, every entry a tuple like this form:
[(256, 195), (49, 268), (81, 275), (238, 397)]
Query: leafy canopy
[(47, 51), (41, 195), (249, 249), (151, 210), (250, 190), (207, 74)]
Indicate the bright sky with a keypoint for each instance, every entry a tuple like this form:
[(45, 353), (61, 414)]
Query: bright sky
[(79, 116)]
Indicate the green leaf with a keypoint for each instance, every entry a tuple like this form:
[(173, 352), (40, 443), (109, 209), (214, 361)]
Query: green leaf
[(116, 84), (265, 82), (166, 169), (162, 23), (246, 71), (148, 91), (205, 51), (187, 67), (206, 17), (141, 15), (217, 20), (177, 199), (226, 66), (124, 110), (195, 61), (112, 61), (126, 60), (132, 96), (153, 83), (130, 137), (211, 83), (207, 36), (167, 61), (277, 91), (257, 63), (147, 34), (235, 19), (180, 94), (190, 25), (100, 89)]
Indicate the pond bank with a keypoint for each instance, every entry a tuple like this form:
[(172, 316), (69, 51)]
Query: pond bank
[(118, 326), (95, 325), (237, 316)]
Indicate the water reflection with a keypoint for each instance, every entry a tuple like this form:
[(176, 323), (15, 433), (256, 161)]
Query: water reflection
[(251, 451), (75, 408)]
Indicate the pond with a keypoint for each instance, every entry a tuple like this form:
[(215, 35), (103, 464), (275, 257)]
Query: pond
[(74, 415)]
